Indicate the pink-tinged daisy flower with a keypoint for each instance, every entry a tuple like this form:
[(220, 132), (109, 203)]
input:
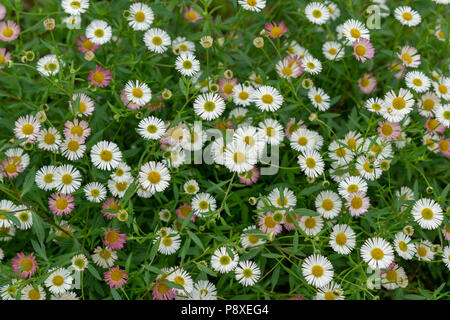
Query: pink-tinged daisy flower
[(127, 103), (275, 31), (11, 167), (268, 224), (357, 203), (249, 177), (2, 11), (409, 56), (389, 130), (226, 87), (398, 69), (289, 224), (110, 204), (77, 128), (191, 15), (85, 45), (115, 240), (9, 31), (434, 127), (444, 147), (184, 210), (99, 77), (115, 277), (61, 203), (290, 67), (293, 126), (156, 105), (161, 291), (363, 49), (367, 83), (28, 263), (5, 57)]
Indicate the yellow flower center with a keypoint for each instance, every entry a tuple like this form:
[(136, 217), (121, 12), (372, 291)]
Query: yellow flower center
[(28, 263), (243, 95), (106, 155), (34, 294), (422, 252), (209, 106), (187, 65), (332, 51), (157, 41), (228, 88), (267, 98), (203, 205), (48, 178), (58, 280), (224, 260), (317, 13), (356, 202), (402, 246), (355, 33), (318, 98), (317, 271), (360, 50), (377, 253), (327, 204), (239, 157), (391, 276), (116, 275), (98, 77), (310, 163), (276, 32), (417, 82), (139, 16), (73, 145), (27, 129), (399, 103), (341, 239), (66, 179), (99, 33), (427, 214), (87, 44), (407, 16), (8, 32), (310, 223), (407, 57), (352, 188), (269, 222), (302, 141), (137, 93), (61, 204), (104, 254), (112, 237), (253, 239), (442, 89), (428, 104)]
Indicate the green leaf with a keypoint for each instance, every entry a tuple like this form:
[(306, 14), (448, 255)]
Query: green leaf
[(94, 272), (38, 227), (29, 181), (196, 239), (306, 212)]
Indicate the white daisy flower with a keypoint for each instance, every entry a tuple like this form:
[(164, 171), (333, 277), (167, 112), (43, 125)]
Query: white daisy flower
[(217, 151), (121, 173), (224, 260), (272, 131), (253, 5), (49, 139), (59, 281), (95, 192), (104, 257), (242, 95), (49, 65), (67, 179), (156, 40), (340, 152), (317, 270), (191, 187), (417, 81), (247, 273), (75, 7), (106, 155), (352, 185), (203, 290), (331, 291), (311, 65), (99, 32), (311, 163), (376, 105), (391, 279), (423, 250), (377, 252), (354, 30), (333, 50), (30, 293), (183, 45), (328, 204), (73, 148), (369, 170), (85, 106), (319, 99), (289, 200), (404, 247), (169, 241), (427, 213), (45, 178), (187, 64), (398, 105), (79, 262), (6, 206), (203, 203), (181, 277), (209, 106), (196, 140), (428, 103), (252, 237), (118, 189), (311, 225), (443, 114), (25, 218), (155, 176), (445, 257), (267, 98), (141, 16), (9, 291), (302, 140), (442, 88), (407, 16), (342, 239), (317, 13), (151, 128), (138, 92), (27, 127)]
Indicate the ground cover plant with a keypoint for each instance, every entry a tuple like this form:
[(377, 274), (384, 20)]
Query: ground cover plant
[(223, 149)]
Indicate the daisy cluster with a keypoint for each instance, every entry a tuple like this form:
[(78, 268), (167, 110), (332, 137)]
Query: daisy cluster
[(194, 151)]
